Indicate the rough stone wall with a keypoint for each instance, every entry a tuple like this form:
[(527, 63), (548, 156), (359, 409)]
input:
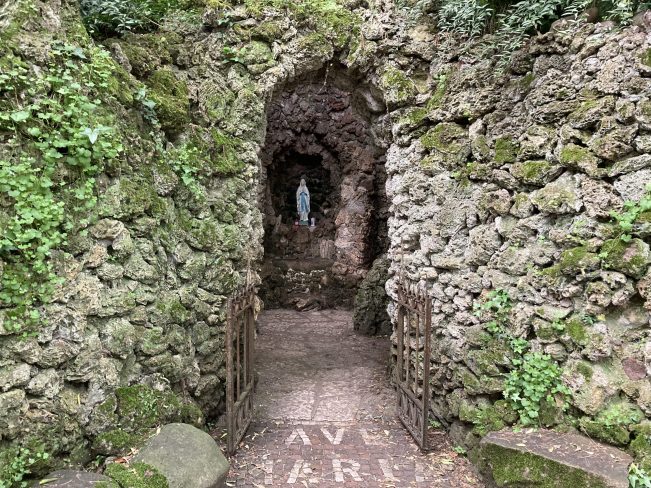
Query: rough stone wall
[(506, 181), (177, 225), (496, 181)]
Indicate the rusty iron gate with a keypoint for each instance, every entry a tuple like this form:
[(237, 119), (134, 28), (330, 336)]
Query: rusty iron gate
[(412, 374), (240, 376)]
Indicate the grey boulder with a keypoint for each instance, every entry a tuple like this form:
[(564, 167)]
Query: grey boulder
[(186, 456)]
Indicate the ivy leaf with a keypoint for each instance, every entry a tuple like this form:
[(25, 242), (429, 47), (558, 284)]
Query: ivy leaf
[(92, 134), (20, 116), (34, 131)]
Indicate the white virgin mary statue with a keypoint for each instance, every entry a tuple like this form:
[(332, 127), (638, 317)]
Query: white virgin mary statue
[(303, 202)]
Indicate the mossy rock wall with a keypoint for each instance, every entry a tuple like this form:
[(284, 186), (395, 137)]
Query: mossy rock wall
[(497, 180), (498, 185)]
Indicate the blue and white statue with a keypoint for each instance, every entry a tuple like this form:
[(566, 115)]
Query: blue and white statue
[(303, 203)]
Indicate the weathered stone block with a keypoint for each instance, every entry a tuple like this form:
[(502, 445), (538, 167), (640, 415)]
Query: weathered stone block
[(548, 459)]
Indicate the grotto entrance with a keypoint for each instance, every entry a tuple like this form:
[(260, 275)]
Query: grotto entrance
[(321, 132)]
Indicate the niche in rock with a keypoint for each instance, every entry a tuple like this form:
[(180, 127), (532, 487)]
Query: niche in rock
[(319, 133)]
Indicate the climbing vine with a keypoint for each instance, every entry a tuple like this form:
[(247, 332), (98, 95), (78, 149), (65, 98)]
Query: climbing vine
[(56, 138)]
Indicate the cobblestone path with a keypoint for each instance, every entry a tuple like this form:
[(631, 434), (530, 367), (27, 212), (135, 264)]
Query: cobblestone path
[(326, 413)]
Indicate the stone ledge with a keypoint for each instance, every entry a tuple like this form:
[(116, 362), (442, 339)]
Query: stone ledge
[(549, 459)]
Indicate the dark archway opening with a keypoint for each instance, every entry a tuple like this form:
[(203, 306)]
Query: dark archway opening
[(321, 131)]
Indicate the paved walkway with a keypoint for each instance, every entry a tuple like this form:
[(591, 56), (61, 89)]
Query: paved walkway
[(326, 413)]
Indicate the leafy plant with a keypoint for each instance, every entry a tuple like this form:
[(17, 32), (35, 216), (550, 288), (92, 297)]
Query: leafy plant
[(108, 17), (468, 17), (638, 477), (558, 325), (460, 450), (58, 140), (16, 467), (627, 219), (536, 378), (498, 305), (184, 161), (513, 22), (231, 55)]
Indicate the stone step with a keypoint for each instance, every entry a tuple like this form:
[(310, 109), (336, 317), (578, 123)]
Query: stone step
[(548, 459)]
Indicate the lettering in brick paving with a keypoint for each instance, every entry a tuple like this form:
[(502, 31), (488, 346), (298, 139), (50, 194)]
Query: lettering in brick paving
[(344, 470), (301, 467), (298, 433), (341, 467), (336, 440), (268, 468), (385, 466)]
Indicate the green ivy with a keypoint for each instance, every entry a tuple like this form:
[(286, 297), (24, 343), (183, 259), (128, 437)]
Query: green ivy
[(185, 160), (535, 379), (638, 477), (56, 139), (627, 219), (498, 305), (16, 466)]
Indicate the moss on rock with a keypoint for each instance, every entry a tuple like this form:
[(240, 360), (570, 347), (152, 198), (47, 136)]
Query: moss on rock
[(535, 172), (448, 143), (137, 475), (116, 442), (510, 467), (397, 86), (577, 260), (614, 424), (646, 57), (506, 150), (631, 258), (578, 157), (126, 418), (171, 97)]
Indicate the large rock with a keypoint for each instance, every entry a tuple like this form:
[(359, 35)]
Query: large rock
[(548, 459), (187, 456), (70, 478)]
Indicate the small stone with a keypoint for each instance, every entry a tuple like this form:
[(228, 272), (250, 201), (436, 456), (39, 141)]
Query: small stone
[(558, 197), (634, 369), (47, 383), (631, 164), (14, 375)]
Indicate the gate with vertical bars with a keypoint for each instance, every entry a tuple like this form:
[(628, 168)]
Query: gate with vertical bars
[(412, 373), (240, 376)]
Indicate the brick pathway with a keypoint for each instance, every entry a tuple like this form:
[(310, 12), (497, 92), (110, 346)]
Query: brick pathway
[(326, 416)]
